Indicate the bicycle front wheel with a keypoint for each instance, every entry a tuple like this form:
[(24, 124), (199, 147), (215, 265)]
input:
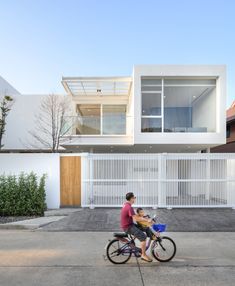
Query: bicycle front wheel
[(163, 249), (118, 252)]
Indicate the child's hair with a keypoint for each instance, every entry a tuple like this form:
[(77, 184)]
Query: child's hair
[(138, 210)]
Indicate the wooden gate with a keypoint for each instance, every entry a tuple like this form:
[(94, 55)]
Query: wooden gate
[(70, 181)]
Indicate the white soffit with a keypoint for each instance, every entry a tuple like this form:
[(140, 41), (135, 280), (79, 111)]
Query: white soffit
[(97, 86)]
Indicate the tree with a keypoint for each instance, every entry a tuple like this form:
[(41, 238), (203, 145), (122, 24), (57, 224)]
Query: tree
[(51, 123), (5, 107)]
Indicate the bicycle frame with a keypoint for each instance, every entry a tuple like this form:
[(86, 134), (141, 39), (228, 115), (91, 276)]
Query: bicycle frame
[(130, 247)]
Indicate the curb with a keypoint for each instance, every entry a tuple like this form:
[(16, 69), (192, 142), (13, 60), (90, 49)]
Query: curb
[(29, 224), (11, 226)]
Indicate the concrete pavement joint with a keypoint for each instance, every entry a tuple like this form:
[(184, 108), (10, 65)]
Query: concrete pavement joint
[(141, 275)]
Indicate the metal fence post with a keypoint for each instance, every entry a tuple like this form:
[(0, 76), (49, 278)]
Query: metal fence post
[(91, 181), (208, 166), (159, 179), (164, 179)]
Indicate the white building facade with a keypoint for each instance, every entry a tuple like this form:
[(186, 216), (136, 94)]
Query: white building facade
[(158, 109), (169, 108)]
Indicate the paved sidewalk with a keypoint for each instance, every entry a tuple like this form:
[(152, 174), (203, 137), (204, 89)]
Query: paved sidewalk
[(108, 219), (30, 258), (34, 223), (31, 223)]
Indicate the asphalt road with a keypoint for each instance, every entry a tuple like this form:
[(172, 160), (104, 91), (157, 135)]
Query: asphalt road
[(31, 258)]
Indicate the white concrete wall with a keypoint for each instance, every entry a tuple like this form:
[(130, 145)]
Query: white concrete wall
[(21, 120), (6, 88), (40, 164)]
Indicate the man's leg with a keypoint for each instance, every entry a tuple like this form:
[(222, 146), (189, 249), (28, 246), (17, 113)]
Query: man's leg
[(143, 248), (139, 234)]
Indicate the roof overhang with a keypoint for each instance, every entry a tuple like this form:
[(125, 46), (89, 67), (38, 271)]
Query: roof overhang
[(97, 86)]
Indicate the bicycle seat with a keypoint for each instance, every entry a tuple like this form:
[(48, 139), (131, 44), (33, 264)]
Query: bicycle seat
[(120, 234)]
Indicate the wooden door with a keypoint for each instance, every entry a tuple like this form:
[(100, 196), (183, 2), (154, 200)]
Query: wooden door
[(70, 181)]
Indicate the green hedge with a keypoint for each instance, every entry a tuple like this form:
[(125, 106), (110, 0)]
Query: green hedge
[(22, 195)]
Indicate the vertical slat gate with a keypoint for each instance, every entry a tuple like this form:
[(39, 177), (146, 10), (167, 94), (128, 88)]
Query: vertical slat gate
[(160, 180)]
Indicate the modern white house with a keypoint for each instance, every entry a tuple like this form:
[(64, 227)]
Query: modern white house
[(159, 108), (140, 133)]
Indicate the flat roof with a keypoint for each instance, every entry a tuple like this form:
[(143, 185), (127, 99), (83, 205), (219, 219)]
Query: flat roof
[(97, 86)]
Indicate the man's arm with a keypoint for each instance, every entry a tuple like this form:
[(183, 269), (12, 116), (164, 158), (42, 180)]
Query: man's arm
[(139, 218)]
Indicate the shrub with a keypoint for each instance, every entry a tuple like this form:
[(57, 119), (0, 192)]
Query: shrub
[(22, 195)]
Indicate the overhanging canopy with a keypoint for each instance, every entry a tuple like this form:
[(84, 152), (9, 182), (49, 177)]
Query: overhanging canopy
[(97, 86)]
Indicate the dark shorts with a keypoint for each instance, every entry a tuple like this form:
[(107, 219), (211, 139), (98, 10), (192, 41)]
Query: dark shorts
[(134, 230), (147, 230)]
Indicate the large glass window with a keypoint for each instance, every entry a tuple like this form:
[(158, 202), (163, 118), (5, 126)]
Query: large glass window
[(88, 120), (178, 105), (189, 105), (114, 119), (96, 119)]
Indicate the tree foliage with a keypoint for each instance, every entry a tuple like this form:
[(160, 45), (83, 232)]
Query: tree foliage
[(5, 107)]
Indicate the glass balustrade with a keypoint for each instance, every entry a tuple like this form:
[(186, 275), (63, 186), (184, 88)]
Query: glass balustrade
[(96, 125)]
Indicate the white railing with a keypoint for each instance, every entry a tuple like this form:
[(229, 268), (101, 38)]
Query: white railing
[(159, 180)]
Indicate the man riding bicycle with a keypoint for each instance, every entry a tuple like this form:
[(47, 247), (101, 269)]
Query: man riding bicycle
[(127, 224)]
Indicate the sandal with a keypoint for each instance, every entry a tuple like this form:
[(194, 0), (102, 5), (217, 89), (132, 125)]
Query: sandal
[(147, 260)]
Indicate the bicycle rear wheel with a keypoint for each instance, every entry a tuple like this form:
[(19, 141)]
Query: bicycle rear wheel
[(163, 249), (118, 252)]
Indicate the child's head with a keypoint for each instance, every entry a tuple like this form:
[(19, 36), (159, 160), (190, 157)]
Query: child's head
[(140, 211)]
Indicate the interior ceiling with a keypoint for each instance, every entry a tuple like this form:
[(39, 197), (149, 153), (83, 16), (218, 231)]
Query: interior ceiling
[(184, 96), (94, 109), (88, 109)]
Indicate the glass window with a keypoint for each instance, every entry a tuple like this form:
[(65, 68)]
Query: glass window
[(151, 90), (151, 104), (151, 81), (88, 121), (190, 107), (189, 82), (151, 125), (228, 131), (189, 104), (114, 119)]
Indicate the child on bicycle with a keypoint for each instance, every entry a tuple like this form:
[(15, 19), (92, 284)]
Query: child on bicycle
[(145, 226)]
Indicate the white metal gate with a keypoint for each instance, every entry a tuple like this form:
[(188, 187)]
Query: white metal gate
[(159, 180)]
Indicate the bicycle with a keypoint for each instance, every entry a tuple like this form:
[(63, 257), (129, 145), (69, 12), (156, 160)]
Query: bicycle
[(122, 247)]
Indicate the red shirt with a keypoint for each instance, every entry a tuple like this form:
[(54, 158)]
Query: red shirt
[(126, 216)]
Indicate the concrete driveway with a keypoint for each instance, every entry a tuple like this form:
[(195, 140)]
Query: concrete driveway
[(31, 258), (108, 219)]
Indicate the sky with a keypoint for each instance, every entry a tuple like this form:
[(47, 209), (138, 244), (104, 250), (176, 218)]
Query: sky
[(41, 41)]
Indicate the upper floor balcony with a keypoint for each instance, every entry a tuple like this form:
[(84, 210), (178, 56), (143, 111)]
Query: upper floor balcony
[(93, 126)]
